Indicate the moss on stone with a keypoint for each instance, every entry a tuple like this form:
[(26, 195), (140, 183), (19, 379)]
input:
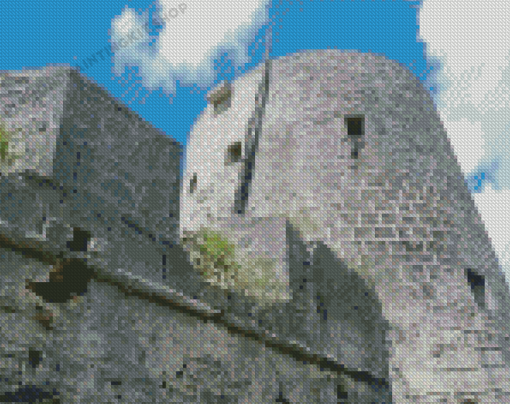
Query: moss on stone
[(5, 136), (215, 246), (4, 144), (214, 257)]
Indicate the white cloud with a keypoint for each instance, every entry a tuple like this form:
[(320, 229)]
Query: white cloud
[(195, 33), (471, 40), (467, 139), (494, 208), (124, 24)]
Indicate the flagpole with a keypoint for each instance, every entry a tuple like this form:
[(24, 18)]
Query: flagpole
[(269, 43), (253, 132)]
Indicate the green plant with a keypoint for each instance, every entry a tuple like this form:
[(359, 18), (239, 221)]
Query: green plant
[(216, 247), (214, 257), (4, 144), (213, 254)]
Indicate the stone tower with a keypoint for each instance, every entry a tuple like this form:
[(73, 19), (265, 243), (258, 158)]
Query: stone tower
[(349, 148)]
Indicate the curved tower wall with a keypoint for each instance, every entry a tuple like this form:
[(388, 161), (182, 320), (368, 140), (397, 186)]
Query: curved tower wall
[(352, 151)]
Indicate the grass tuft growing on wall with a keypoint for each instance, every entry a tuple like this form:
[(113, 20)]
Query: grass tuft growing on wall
[(4, 143), (216, 260), (5, 137), (213, 256)]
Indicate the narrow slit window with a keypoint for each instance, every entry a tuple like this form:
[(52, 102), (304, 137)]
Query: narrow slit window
[(341, 392), (193, 183), (163, 275), (477, 283), (34, 357), (355, 130)]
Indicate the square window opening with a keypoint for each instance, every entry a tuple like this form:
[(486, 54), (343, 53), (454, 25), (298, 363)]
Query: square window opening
[(234, 153)]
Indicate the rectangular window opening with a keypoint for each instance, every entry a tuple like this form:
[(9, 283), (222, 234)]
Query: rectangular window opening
[(234, 153), (477, 283), (193, 183), (355, 130), (355, 126)]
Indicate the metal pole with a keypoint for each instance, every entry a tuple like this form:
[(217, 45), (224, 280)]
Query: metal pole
[(269, 43)]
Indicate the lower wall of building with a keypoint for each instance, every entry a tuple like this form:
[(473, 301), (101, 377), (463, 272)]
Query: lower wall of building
[(106, 346)]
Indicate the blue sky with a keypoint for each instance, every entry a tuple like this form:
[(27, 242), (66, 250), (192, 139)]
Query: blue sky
[(72, 32), (459, 49)]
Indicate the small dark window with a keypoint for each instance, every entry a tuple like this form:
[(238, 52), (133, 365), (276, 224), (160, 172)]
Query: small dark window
[(34, 357), (477, 283), (355, 131), (193, 183), (281, 398), (80, 240), (341, 393), (234, 153)]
